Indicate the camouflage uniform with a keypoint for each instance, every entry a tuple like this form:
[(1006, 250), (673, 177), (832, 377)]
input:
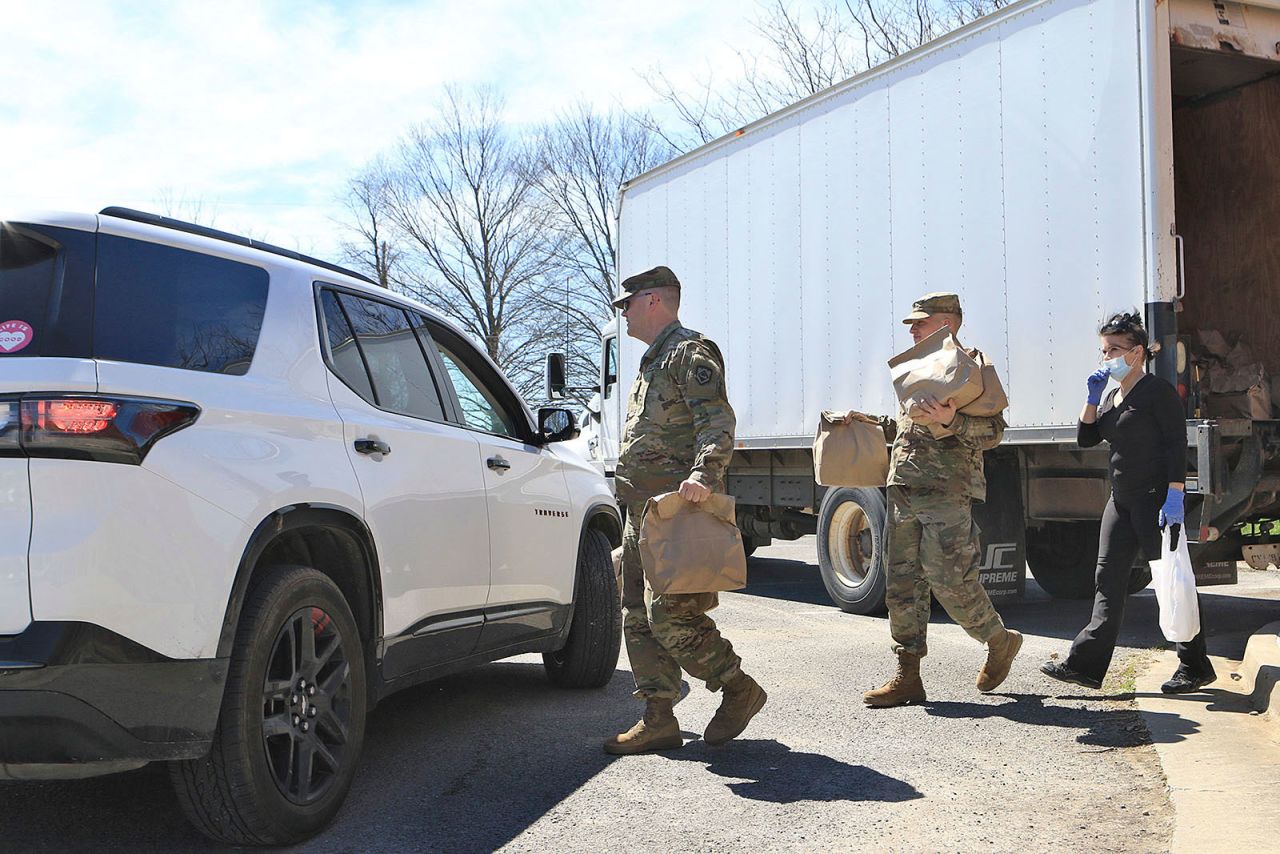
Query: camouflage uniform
[(679, 425), (933, 540)]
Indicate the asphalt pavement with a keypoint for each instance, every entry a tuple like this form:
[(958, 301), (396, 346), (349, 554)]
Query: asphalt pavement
[(496, 758)]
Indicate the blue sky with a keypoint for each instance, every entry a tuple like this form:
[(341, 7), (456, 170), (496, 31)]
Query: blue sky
[(260, 111)]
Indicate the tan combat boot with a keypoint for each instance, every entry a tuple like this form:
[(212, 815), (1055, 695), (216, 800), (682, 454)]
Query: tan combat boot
[(1000, 652), (905, 687), (743, 697), (657, 730)]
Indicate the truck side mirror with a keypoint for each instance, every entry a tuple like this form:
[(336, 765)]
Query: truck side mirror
[(556, 424), (553, 377)]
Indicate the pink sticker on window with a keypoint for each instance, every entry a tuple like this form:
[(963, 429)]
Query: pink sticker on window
[(14, 335)]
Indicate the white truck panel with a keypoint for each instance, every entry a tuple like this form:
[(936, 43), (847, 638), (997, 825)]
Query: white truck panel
[(1005, 162), (866, 262)]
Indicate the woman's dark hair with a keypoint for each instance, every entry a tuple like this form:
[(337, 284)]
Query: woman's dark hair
[(1128, 324)]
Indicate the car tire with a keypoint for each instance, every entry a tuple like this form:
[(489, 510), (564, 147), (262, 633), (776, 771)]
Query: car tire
[(292, 721), (851, 548), (589, 658)]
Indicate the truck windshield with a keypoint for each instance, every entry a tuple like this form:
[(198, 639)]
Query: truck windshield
[(46, 289)]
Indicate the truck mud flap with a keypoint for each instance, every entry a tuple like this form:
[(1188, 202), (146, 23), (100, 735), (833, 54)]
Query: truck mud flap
[(1000, 518)]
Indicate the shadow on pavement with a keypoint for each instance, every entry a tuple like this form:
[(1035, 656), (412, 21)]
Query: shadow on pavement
[(1229, 618), (771, 771), (465, 763), (788, 580), (1100, 727), (1211, 699)]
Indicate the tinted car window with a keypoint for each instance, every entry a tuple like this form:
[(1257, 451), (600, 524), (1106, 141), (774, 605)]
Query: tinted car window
[(480, 407), (402, 380), (344, 352), (157, 305), (46, 291)]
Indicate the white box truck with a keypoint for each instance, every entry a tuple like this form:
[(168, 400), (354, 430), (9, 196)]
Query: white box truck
[(1052, 163)]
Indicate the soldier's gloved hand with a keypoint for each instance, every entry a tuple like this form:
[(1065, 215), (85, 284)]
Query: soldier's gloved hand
[(694, 492), (1172, 513), (1096, 382)]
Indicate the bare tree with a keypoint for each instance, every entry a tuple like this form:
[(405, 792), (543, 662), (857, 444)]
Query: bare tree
[(580, 162), (179, 205), (804, 54), (582, 159), (478, 242), (375, 249)]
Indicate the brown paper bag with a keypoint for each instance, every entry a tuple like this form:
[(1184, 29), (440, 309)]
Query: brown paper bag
[(616, 556), (937, 367), (993, 400), (1255, 404), (692, 548), (850, 454)]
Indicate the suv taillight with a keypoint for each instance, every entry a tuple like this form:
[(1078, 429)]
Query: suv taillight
[(89, 427)]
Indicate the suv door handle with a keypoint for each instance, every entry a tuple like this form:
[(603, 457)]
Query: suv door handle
[(498, 464), (372, 446)]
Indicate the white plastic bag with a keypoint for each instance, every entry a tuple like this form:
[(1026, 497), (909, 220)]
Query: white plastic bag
[(1175, 584)]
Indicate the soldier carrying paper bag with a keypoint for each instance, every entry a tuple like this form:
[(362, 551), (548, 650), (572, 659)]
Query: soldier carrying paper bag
[(935, 475), (677, 441)]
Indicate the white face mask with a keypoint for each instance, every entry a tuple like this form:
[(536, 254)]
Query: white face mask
[(1118, 367)]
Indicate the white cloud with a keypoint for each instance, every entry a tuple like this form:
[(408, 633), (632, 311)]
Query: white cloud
[(263, 110)]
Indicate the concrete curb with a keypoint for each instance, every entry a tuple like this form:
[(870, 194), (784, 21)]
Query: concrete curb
[(1259, 673), (1221, 760)]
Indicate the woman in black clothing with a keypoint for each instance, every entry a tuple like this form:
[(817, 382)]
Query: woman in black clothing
[(1144, 423)]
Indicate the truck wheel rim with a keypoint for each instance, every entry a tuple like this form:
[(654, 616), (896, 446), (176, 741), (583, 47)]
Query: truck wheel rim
[(306, 706), (851, 545)]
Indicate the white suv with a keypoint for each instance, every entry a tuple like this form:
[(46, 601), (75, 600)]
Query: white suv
[(245, 494)]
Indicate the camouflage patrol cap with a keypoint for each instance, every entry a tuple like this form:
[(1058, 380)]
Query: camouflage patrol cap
[(939, 303), (658, 277)]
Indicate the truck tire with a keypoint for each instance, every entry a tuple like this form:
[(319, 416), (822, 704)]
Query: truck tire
[(1064, 560), (292, 721), (851, 548), (590, 656), (1062, 556)]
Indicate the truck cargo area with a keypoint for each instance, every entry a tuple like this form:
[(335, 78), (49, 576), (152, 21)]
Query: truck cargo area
[(1226, 124), (1225, 86)]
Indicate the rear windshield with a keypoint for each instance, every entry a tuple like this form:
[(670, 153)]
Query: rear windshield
[(151, 304), (46, 291)]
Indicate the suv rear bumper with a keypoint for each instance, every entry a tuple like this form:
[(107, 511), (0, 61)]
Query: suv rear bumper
[(78, 700)]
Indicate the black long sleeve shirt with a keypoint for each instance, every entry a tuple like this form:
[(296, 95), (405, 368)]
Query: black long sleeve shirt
[(1148, 435)]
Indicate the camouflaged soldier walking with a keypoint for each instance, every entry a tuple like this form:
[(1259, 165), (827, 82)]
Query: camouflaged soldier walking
[(678, 437), (933, 541)]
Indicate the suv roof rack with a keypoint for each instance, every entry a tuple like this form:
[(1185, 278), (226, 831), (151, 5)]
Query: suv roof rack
[(205, 231)]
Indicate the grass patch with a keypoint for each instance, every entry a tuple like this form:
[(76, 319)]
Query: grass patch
[(1124, 679)]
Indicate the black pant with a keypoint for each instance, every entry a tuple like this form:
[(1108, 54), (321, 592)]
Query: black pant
[(1128, 525)]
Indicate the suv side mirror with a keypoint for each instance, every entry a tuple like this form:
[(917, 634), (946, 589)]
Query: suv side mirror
[(556, 424), (553, 378)]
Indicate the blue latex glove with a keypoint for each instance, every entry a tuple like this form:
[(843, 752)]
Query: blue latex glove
[(1097, 382), (1172, 512)]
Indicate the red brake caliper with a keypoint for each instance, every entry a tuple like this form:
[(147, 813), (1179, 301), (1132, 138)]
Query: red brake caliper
[(319, 620)]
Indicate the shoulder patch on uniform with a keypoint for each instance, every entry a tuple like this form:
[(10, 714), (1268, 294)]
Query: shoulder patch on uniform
[(702, 374)]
